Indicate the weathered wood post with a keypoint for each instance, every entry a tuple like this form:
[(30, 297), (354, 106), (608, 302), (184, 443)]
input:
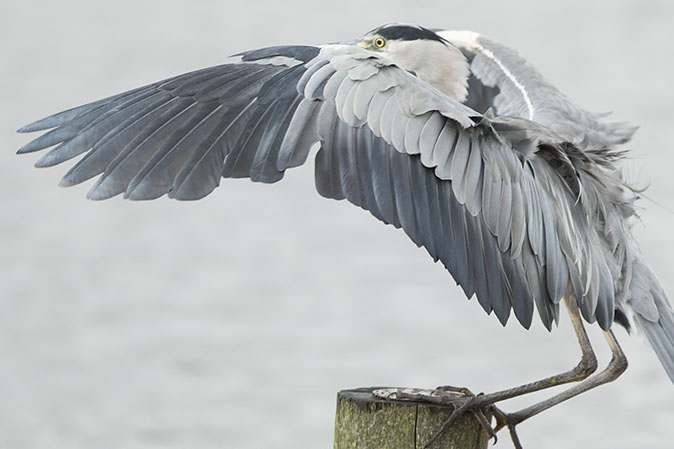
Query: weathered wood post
[(364, 421)]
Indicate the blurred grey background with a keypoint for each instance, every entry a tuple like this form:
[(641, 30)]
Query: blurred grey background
[(233, 321)]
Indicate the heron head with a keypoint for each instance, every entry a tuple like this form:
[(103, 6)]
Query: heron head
[(425, 54)]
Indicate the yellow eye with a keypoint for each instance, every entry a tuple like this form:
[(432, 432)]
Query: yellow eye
[(379, 42)]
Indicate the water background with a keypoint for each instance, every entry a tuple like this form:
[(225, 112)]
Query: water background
[(233, 321)]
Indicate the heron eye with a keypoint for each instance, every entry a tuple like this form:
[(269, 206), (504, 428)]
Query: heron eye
[(379, 42)]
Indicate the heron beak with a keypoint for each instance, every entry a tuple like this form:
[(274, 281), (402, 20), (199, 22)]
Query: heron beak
[(363, 44)]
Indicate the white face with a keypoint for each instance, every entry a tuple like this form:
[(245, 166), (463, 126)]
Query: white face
[(438, 63)]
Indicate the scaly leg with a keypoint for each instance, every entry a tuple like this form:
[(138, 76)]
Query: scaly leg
[(586, 366), (615, 368)]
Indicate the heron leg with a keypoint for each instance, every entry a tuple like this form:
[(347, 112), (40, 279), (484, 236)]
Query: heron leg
[(615, 368), (583, 370)]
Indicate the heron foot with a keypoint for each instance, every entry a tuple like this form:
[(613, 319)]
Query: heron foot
[(461, 399), (476, 405)]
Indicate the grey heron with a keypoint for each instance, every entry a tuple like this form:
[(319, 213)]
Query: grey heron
[(448, 135)]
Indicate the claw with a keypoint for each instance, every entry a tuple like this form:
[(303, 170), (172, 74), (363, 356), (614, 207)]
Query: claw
[(504, 419), (484, 422)]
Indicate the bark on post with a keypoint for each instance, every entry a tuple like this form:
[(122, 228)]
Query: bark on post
[(364, 421)]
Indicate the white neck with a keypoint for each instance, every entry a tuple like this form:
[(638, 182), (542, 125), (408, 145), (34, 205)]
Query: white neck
[(442, 66)]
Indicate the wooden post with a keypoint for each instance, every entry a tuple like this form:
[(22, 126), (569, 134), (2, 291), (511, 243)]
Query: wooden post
[(364, 421)]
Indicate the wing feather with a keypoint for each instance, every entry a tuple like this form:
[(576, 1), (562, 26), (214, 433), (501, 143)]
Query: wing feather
[(264, 168), (474, 191), (400, 178), (429, 231), (472, 181), (519, 224), (442, 151), (156, 177), (239, 157), (376, 110), (301, 134), (460, 157), (386, 118), (428, 138), (151, 134), (363, 156), (399, 126), (463, 275), (95, 127), (365, 93), (504, 220), (201, 173), (68, 116)]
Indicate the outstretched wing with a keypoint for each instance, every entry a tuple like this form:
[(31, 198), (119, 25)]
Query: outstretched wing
[(503, 80), (495, 199), (174, 135)]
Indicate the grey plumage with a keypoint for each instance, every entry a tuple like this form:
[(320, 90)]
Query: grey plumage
[(515, 191), (499, 74), (653, 314)]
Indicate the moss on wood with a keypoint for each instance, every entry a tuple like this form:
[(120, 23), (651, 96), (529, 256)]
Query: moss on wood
[(364, 421)]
